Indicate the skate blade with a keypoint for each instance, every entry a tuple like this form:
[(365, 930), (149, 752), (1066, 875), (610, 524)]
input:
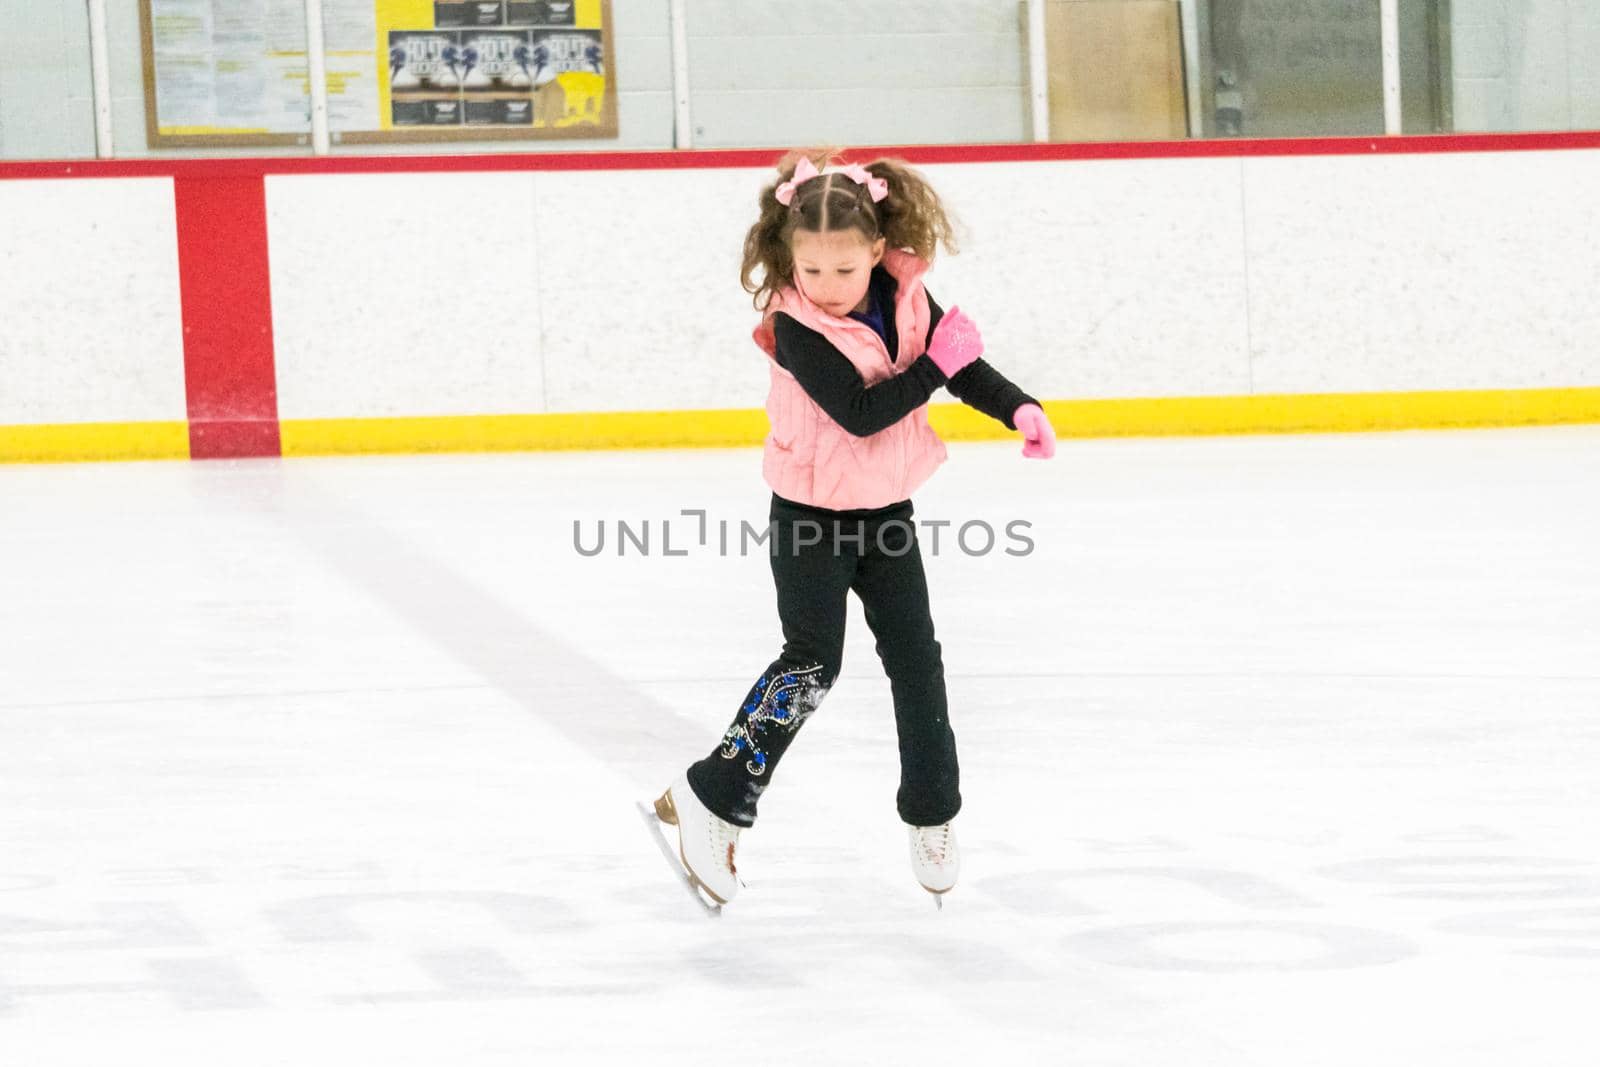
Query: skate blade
[(686, 878), (715, 902)]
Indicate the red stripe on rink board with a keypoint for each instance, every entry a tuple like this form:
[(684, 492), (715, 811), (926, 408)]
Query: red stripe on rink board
[(673, 159), (227, 317)]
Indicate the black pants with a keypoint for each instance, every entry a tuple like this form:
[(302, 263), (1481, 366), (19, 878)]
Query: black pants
[(818, 556)]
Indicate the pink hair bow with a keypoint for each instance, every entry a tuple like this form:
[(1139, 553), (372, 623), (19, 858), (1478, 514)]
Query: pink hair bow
[(805, 170)]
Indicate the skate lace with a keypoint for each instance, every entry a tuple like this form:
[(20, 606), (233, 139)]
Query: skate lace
[(724, 843), (933, 842)]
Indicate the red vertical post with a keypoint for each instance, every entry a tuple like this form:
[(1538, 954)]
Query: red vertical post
[(227, 317)]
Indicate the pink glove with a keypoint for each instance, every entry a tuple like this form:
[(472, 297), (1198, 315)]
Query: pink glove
[(1039, 437), (955, 342)]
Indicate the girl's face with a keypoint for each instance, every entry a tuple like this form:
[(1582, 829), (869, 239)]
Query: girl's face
[(832, 268)]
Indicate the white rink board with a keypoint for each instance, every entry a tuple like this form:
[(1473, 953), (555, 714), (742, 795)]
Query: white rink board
[(650, 318), (570, 291), (1468, 271), (1116, 278), (91, 324), (1112, 278), (405, 294)]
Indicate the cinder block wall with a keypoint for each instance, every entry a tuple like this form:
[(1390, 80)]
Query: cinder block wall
[(1526, 64), (889, 72), (46, 90)]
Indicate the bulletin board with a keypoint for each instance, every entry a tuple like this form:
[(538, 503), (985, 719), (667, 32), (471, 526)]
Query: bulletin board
[(226, 73)]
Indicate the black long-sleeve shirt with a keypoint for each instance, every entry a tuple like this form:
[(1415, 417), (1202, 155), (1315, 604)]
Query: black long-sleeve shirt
[(829, 378)]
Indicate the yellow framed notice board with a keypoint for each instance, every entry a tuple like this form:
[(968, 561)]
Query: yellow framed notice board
[(235, 72)]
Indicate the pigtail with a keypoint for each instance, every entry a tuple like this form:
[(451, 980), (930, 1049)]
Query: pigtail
[(912, 215), (768, 264)]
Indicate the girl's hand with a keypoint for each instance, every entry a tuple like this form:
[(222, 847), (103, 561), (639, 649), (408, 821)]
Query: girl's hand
[(1039, 437), (955, 342)]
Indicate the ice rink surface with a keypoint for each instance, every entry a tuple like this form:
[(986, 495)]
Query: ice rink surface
[(1276, 751)]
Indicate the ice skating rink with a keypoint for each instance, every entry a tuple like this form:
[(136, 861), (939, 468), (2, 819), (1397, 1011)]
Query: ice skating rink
[(1277, 751)]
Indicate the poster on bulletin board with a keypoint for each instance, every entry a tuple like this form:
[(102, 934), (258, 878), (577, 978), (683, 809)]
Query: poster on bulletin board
[(234, 72)]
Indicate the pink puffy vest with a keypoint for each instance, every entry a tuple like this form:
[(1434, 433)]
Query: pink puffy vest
[(810, 458)]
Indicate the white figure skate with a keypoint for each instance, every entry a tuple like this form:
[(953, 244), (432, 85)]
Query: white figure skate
[(707, 844), (935, 858)]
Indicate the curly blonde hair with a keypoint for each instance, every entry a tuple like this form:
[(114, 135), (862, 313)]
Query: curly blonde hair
[(911, 217)]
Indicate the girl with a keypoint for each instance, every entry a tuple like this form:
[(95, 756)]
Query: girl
[(856, 346)]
